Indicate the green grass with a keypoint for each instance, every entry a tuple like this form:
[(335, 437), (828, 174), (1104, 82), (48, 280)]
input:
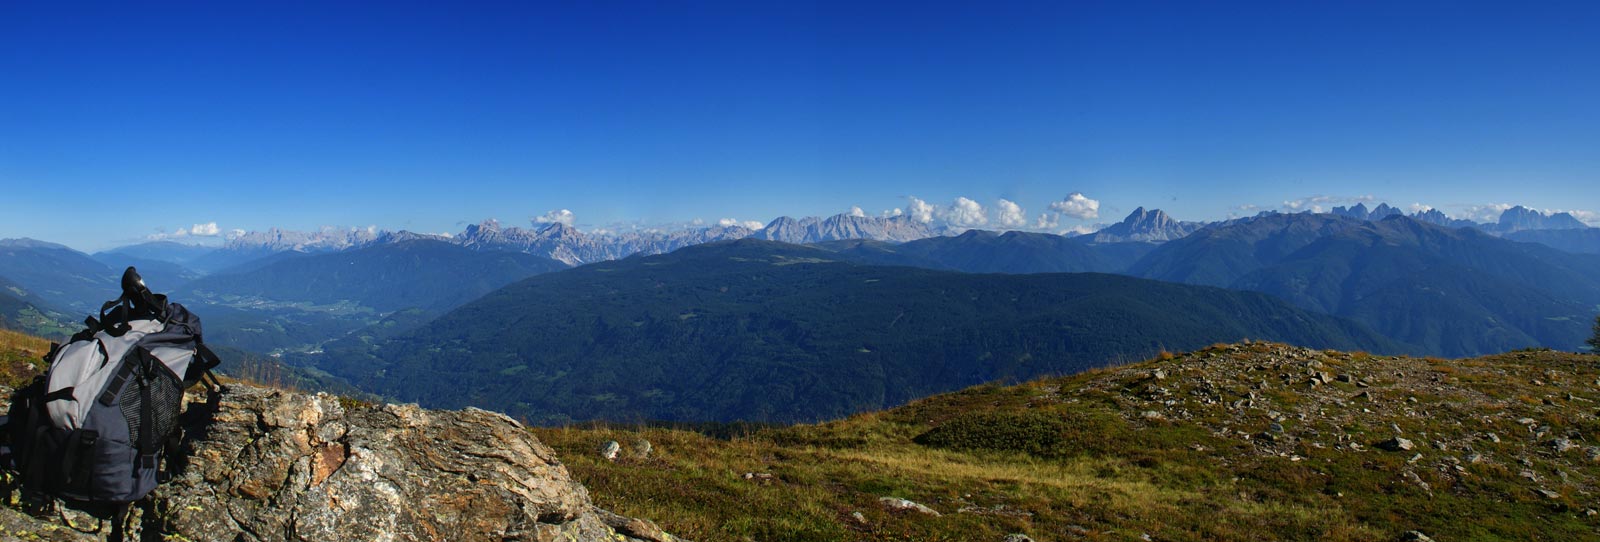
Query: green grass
[(1076, 458)]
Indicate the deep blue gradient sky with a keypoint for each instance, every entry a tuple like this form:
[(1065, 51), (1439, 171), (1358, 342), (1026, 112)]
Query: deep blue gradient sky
[(118, 121)]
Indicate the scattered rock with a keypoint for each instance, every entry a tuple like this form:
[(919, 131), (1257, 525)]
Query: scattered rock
[(897, 504), (1547, 494), (610, 449), (1397, 444), (1561, 445), (1017, 537), (1415, 536)]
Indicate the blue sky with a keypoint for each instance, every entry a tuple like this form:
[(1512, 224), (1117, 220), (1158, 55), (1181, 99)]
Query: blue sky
[(117, 122)]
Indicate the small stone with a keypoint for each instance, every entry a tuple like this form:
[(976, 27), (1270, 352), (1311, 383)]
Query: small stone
[(858, 517), (903, 505), (1017, 537), (1275, 428), (1474, 458), (1526, 421), (1415, 536), (610, 449), (1547, 494), (1152, 415), (1492, 437), (1157, 374), (1415, 458), (1561, 445), (642, 448)]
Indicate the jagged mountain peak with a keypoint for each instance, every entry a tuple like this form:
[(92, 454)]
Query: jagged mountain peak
[(1145, 225)]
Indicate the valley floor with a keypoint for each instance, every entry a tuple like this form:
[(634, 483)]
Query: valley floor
[(1234, 442)]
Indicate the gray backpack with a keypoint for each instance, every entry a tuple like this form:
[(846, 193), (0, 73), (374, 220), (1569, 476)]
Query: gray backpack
[(94, 428)]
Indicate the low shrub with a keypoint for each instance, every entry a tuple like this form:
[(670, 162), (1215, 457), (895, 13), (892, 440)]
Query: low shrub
[(1029, 432)]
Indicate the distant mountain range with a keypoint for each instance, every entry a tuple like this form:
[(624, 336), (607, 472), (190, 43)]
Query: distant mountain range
[(1148, 243), (567, 244), (761, 330), (1451, 291)]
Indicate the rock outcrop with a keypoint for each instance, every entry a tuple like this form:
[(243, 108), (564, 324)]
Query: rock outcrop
[(265, 464)]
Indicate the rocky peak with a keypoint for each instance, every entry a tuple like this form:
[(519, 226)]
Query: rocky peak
[(266, 464), (840, 227), (1521, 218), (557, 231), (1145, 225), (490, 225)]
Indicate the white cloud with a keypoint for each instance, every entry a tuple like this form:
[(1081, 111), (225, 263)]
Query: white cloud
[(561, 216), (965, 213), (891, 213), (1483, 213), (1320, 203), (1047, 221), (1009, 215), (208, 229), (747, 224), (856, 211), (235, 233), (1078, 206), (1587, 217), (1419, 208), (920, 211)]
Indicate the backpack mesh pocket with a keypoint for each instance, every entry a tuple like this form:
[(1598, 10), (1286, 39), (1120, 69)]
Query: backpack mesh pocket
[(166, 399)]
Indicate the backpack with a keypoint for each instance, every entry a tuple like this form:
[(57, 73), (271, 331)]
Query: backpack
[(94, 427)]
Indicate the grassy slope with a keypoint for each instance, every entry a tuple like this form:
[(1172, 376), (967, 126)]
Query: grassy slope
[(21, 358), (1179, 458)]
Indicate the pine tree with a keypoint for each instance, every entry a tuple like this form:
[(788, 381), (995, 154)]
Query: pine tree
[(1594, 342)]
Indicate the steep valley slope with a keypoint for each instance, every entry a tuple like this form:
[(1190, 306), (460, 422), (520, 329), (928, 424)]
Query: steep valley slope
[(765, 331)]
